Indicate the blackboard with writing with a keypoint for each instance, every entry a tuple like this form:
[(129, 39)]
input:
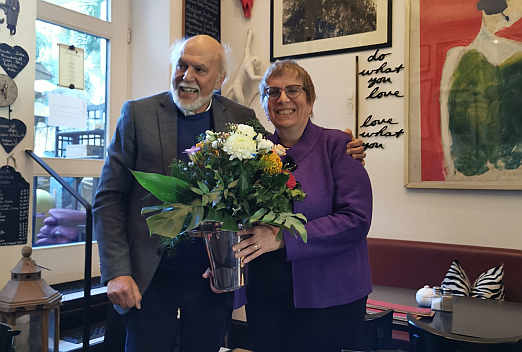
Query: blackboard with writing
[(14, 207), (202, 17)]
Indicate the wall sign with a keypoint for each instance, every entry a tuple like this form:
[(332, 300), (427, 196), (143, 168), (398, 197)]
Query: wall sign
[(14, 207), (13, 59), (12, 131), (202, 17), (379, 80)]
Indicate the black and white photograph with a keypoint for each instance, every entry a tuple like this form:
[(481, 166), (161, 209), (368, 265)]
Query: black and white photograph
[(302, 28), (306, 20)]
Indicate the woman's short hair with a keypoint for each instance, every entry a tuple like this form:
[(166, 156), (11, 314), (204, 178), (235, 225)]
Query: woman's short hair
[(279, 68)]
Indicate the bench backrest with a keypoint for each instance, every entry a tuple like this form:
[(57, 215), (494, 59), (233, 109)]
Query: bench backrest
[(413, 264)]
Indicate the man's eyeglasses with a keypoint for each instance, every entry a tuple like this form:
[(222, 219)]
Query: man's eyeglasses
[(292, 91)]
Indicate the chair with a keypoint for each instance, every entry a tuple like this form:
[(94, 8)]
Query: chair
[(376, 332)]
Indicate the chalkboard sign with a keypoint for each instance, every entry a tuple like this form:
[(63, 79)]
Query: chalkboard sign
[(14, 207), (13, 59), (202, 17), (12, 131)]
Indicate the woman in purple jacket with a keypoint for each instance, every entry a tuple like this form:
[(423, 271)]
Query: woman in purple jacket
[(310, 296)]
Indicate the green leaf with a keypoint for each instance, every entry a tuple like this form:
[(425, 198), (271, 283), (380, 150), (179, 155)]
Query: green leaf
[(169, 223), (146, 210), (257, 215), (233, 184), (196, 190), (197, 217), (269, 217), (166, 188), (203, 187), (279, 220), (301, 217), (296, 225)]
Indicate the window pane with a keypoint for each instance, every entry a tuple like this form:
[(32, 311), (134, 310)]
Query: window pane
[(95, 8), (58, 217), (52, 140)]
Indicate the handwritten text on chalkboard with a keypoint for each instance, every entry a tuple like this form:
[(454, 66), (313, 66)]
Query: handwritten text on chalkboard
[(14, 207), (203, 17)]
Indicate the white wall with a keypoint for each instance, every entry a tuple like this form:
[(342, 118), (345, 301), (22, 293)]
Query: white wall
[(484, 218), (149, 61), (23, 109)]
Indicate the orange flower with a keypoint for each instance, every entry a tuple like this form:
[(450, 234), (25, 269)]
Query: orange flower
[(272, 163)]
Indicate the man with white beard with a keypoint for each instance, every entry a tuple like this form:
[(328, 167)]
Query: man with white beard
[(146, 284)]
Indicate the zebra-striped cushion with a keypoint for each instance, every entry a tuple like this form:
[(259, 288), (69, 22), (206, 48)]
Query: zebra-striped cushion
[(489, 284)]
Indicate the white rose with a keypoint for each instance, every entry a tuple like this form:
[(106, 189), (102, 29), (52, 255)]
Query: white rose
[(264, 145), (240, 146), (245, 130)]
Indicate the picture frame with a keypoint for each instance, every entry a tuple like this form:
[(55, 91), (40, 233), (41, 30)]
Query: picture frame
[(306, 28), (464, 131)]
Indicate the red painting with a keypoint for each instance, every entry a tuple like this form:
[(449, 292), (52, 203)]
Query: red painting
[(447, 27)]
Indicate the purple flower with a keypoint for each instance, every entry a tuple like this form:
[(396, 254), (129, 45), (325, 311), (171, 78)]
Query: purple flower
[(192, 150)]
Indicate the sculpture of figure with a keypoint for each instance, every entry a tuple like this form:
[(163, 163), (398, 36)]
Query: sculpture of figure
[(243, 88), (481, 85)]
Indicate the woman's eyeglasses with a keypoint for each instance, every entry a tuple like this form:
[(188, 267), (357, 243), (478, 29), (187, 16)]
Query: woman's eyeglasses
[(292, 91)]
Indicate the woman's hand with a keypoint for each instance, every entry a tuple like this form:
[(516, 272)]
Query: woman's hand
[(263, 239)]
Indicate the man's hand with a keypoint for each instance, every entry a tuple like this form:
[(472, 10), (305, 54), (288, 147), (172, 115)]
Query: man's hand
[(123, 291), (355, 147)]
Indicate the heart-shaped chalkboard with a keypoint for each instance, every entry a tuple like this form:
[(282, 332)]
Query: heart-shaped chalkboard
[(13, 59), (11, 133)]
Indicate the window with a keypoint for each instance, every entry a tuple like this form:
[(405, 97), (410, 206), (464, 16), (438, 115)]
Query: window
[(74, 143), (72, 136), (95, 8)]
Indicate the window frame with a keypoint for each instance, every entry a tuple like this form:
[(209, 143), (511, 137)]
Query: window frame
[(67, 261)]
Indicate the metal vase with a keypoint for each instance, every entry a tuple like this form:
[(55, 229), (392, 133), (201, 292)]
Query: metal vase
[(227, 273)]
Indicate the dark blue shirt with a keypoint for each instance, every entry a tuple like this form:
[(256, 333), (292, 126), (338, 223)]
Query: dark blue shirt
[(189, 128), (189, 251)]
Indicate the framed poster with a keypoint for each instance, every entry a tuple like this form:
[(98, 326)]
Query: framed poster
[(465, 84), (302, 28)]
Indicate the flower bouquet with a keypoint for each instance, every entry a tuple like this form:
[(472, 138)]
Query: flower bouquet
[(235, 178)]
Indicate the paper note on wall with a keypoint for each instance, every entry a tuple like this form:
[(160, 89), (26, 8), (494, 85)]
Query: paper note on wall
[(67, 111)]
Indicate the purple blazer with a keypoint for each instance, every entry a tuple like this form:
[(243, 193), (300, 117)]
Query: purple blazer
[(332, 268)]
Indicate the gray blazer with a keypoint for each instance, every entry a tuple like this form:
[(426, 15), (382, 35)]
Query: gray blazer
[(145, 140)]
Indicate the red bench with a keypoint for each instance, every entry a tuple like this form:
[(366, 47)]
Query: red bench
[(413, 264)]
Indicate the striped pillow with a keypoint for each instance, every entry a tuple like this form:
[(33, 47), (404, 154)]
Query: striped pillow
[(489, 284)]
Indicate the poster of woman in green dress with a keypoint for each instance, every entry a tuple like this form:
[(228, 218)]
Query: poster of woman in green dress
[(465, 121), (481, 105)]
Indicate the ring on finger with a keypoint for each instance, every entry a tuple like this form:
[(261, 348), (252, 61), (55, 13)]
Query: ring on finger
[(256, 246)]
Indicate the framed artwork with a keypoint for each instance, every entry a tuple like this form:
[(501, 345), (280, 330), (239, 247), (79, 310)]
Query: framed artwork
[(303, 28), (465, 84)]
